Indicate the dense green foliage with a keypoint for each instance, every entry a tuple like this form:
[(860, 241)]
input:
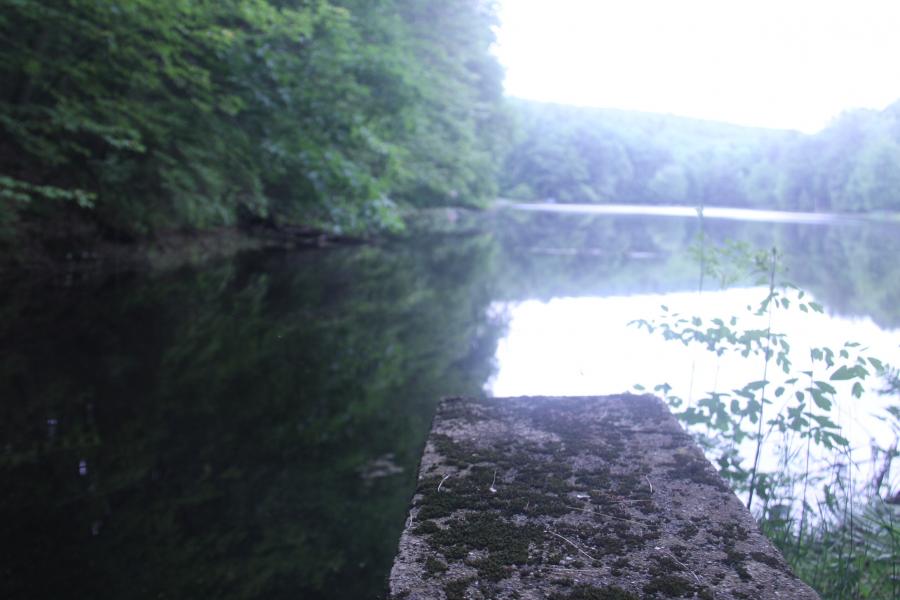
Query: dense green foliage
[(162, 113), (575, 154)]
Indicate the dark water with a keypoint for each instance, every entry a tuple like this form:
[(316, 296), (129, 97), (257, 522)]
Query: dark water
[(252, 429)]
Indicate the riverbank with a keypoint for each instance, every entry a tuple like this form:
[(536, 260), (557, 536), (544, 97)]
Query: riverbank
[(81, 244), (85, 249)]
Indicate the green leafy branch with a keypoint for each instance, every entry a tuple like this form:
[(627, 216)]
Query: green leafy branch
[(23, 192), (803, 400)]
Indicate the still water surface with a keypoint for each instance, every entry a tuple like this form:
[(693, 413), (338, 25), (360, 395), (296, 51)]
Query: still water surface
[(251, 429)]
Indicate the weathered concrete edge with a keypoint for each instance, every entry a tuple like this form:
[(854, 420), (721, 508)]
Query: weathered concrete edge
[(421, 571)]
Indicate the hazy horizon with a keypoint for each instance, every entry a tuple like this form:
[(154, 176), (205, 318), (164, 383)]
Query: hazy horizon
[(790, 66)]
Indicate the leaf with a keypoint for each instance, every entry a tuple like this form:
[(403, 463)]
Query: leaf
[(843, 374), (756, 385), (858, 390), (838, 439), (826, 387), (820, 399), (879, 366)]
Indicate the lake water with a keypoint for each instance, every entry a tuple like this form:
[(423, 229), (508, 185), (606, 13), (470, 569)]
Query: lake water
[(252, 429)]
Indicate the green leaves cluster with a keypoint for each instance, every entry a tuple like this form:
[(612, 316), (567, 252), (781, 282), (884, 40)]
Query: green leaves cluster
[(23, 192), (186, 112), (795, 396), (806, 401)]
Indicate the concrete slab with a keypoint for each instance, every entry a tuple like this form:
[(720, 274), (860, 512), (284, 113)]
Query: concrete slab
[(600, 498)]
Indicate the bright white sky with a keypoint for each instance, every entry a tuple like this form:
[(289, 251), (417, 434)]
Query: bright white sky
[(774, 63)]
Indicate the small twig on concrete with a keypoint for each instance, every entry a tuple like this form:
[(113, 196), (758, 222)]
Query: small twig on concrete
[(568, 569), (446, 477), (595, 512), (649, 483), (492, 489), (570, 542), (683, 566)]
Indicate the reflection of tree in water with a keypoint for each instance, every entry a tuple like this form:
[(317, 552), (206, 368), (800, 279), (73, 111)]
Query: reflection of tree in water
[(850, 268), (241, 428), (853, 269)]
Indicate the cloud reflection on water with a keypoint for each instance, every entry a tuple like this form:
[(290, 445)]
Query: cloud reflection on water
[(584, 346)]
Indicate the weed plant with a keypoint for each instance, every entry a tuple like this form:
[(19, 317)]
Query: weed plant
[(839, 531)]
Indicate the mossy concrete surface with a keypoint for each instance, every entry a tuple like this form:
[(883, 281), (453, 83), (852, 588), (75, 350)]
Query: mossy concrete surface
[(589, 498)]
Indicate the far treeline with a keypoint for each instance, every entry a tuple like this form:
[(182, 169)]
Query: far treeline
[(150, 115), (572, 154)]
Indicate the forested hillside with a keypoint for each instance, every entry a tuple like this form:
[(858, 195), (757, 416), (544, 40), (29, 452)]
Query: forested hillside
[(573, 154), (152, 114), (126, 119)]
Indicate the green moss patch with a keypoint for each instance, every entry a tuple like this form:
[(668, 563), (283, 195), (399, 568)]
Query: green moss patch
[(589, 592), (456, 589), (504, 543), (434, 566), (690, 466), (669, 586)]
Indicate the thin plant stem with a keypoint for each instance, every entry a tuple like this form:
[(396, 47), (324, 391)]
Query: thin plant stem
[(805, 481), (702, 236), (762, 393), (894, 554)]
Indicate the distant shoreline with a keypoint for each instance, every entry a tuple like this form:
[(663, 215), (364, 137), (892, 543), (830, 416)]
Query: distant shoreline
[(709, 212)]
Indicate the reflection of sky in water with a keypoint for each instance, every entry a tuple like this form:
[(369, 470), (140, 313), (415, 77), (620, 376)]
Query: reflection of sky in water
[(584, 346), (709, 212)]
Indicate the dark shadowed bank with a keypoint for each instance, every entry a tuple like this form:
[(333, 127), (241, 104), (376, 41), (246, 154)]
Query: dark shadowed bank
[(80, 245)]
